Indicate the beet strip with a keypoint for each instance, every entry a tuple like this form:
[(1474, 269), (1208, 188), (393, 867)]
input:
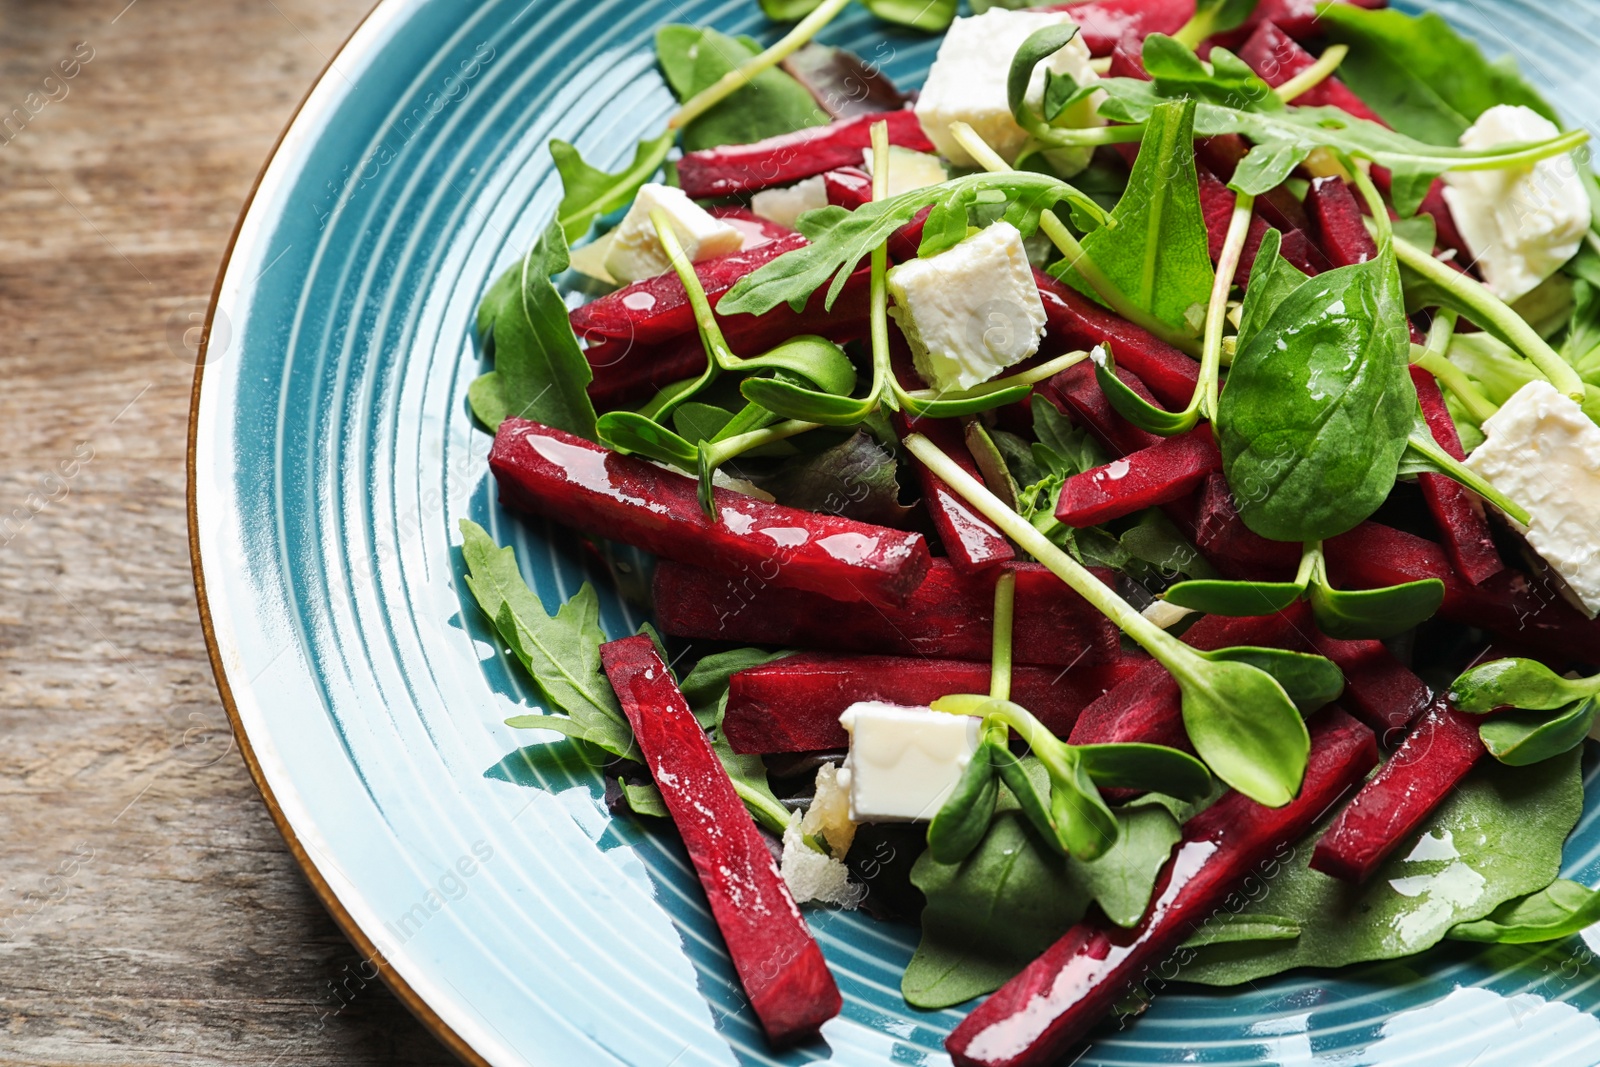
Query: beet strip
[(576, 482), (1339, 222), (778, 960), (970, 541), (793, 704), (950, 615), (1233, 548), (1378, 689), (1151, 476), (1072, 320), (1434, 758), (1461, 521), (791, 157), (1077, 394), (1511, 604), (1040, 1015)]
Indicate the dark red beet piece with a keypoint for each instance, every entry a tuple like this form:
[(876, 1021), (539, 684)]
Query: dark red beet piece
[(627, 374), (1232, 547), (1338, 221), (1216, 205), (575, 482), (950, 615), (1159, 474), (970, 540), (793, 704), (1510, 604), (1077, 394), (1436, 755), (1075, 321), (1039, 1016), (1108, 23), (1377, 687), (778, 960), (754, 229), (791, 157), (1461, 521)]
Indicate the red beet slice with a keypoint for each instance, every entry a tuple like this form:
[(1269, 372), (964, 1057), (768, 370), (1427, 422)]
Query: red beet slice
[(848, 187), (778, 960), (1156, 475), (1072, 320), (1377, 687), (1339, 222), (1521, 609), (1108, 23), (791, 157), (1461, 521), (1077, 394), (754, 229), (1434, 758), (793, 704), (1216, 205), (970, 540), (1233, 548), (950, 615), (575, 482), (1040, 1015)]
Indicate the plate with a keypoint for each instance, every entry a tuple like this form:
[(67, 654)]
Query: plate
[(332, 455)]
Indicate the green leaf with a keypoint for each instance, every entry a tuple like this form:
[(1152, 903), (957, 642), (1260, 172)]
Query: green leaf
[(1135, 765), (813, 359), (1497, 837), (791, 401), (644, 799), (629, 432), (1517, 683), (1319, 405), (707, 683), (838, 239), (1520, 738), (540, 373), (856, 478), (1133, 407), (1223, 927), (1178, 73), (588, 192), (1310, 681), (749, 777), (930, 16), (788, 10), (696, 422), (1420, 74), (961, 822), (1085, 825), (1040, 46), (1374, 613), (695, 58), (1157, 253), (1559, 910), (561, 654), (1122, 880), (1235, 599), (1245, 727), (1272, 279), (1029, 790)]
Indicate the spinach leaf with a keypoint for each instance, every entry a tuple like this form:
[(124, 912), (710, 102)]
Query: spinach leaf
[(1318, 408), (561, 653), (1157, 252), (1496, 838), (539, 370), (1520, 738), (694, 58), (1560, 909), (856, 478), (1225, 927), (1272, 279), (588, 192), (1518, 683), (1422, 76)]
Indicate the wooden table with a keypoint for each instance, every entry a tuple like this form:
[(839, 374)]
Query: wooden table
[(149, 912)]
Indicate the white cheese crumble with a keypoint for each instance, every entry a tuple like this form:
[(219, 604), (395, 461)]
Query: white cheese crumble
[(904, 762), (812, 875), (970, 311), (636, 251), (967, 83), (1521, 224), (786, 204), (908, 169), (1543, 452)]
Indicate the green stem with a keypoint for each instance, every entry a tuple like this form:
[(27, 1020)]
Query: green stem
[(1160, 644), (1206, 390), (722, 451), (1520, 155), (1488, 310), (1048, 369), (1069, 247), (740, 76), (1310, 564), (878, 296), (1453, 378), (1460, 472), (1314, 75), (710, 333), (1374, 199), (1005, 597), (773, 817), (1194, 32)]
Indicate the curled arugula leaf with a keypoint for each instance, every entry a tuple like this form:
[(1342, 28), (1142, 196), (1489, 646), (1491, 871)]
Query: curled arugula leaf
[(588, 192)]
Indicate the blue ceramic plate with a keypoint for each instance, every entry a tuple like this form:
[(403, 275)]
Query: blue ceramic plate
[(332, 457)]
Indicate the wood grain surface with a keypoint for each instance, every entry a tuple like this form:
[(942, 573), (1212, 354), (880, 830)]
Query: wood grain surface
[(149, 912)]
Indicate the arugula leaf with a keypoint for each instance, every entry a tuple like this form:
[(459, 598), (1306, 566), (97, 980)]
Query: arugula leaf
[(539, 370), (695, 58), (840, 239), (1496, 838), (707, 682), (588, 192), (1157, 252), (561, 653), (1318, 409), (644, 799), (1420, 74), (1560, 909)]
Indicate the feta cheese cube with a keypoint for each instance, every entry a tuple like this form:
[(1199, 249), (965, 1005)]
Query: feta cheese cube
[(1521, 224), (786, 204), (908, 169), (904, 762), (636, 251), (967, 83), (1543, 452), (971, 311)]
